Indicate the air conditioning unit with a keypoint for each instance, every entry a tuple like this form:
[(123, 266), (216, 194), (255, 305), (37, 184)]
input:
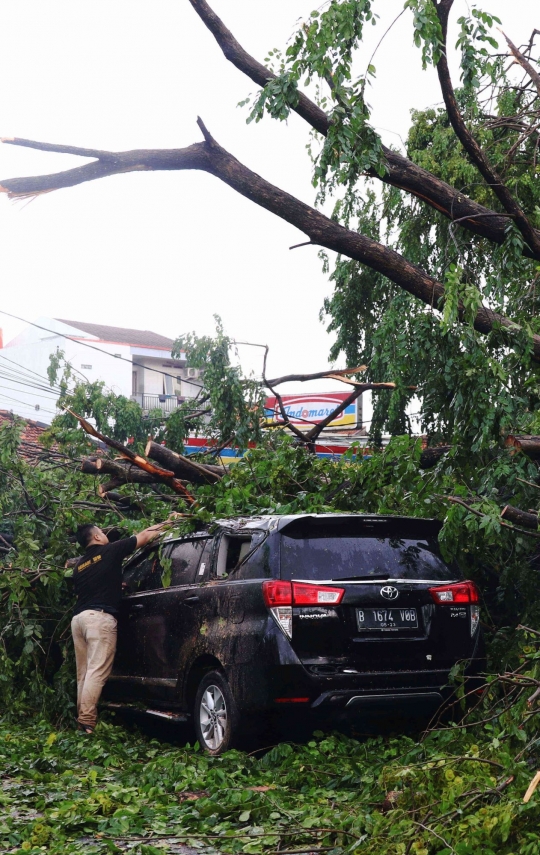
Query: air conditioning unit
[(192, 373)]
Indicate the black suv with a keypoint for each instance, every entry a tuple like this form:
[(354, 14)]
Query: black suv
[(325, 613)]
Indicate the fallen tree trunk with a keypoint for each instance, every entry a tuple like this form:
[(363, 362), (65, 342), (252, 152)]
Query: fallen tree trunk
[(182, 466), (529, 445), (123, 471), (161, 475), (519, 517)]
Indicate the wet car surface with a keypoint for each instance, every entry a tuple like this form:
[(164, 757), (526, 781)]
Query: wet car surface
[(324, 615)]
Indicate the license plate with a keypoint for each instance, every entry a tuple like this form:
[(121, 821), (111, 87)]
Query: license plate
[(387, 619)]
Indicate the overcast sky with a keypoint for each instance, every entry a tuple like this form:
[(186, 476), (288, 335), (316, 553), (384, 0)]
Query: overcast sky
[(167, 251)]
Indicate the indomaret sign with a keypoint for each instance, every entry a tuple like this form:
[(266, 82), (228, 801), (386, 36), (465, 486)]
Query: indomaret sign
[(310, 409)]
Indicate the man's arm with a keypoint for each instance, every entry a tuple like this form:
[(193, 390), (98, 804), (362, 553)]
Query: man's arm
[(150, 534)]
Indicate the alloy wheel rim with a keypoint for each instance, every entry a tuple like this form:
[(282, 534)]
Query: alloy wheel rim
[(213, 717)]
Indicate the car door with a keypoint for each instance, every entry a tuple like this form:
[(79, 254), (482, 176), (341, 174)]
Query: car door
[(140, 578), (158, 613), (183, 605)]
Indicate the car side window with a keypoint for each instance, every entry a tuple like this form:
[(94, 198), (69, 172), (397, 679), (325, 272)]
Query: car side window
[(185, 558), (231, 553), (145, 574), (258, 564)]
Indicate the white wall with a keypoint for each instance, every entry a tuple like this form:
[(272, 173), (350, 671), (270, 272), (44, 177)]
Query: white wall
[(31, 351)]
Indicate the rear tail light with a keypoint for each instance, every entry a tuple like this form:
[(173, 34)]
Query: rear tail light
[(281, 596), (462, 593), (316, 595), (277, 593), (300, 594)]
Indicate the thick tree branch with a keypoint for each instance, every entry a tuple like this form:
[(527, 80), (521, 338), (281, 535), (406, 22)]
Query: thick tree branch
[(524, 62), (519, 517), (162, 475), (212, 158), (318, 375), (529, 445), (400, 172), (182, 466), (474, 151)]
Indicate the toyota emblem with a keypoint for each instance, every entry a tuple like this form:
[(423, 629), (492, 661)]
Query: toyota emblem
[(389, 592)]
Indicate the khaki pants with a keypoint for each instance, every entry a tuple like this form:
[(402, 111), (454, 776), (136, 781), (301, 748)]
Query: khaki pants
[(94, 637)]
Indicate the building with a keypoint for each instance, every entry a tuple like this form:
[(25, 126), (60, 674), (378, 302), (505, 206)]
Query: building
[(134, 363)]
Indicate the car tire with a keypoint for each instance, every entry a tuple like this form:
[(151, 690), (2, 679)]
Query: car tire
[(215, 714)]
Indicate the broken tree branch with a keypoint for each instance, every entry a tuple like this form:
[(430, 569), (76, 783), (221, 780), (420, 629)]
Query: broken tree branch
[(400, 172), (318, 375), (524, 62), (519, 517), (455, 500), (529, 445), (162, 475), (212, 158), (182, 466), (123, 470)]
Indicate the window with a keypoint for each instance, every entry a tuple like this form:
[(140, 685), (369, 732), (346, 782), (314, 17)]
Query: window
[(319, 557), (185, 559), (259, 563), (232, 551), (134, 383), (144, 575)]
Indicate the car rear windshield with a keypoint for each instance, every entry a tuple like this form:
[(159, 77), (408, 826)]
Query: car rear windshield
[(321, 558)]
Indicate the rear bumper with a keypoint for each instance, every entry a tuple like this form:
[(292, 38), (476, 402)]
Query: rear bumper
[(351, 700)]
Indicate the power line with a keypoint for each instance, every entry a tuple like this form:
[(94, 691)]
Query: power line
[(26, 370), (26, 404), (11, 389)]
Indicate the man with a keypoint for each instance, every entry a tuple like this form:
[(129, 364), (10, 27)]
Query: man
[(97, 580)]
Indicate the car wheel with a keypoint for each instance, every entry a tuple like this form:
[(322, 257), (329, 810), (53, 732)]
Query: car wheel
[(215, 714)]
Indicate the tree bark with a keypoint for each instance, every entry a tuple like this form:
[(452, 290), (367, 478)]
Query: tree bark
[(400, 171), (212, 158), (519, 517), (529, 445), (125, 471), (182, 466)]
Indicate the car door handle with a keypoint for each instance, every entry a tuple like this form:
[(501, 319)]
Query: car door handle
[(138, 606), (192, 599)]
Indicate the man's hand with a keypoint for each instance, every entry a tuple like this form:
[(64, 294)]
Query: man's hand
[(150, 534)]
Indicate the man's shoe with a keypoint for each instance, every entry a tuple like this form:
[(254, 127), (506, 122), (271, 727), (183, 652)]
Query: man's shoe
[(85, 728)]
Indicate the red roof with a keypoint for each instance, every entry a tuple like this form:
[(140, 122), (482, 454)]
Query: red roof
[(121, 335), (31, 433)]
